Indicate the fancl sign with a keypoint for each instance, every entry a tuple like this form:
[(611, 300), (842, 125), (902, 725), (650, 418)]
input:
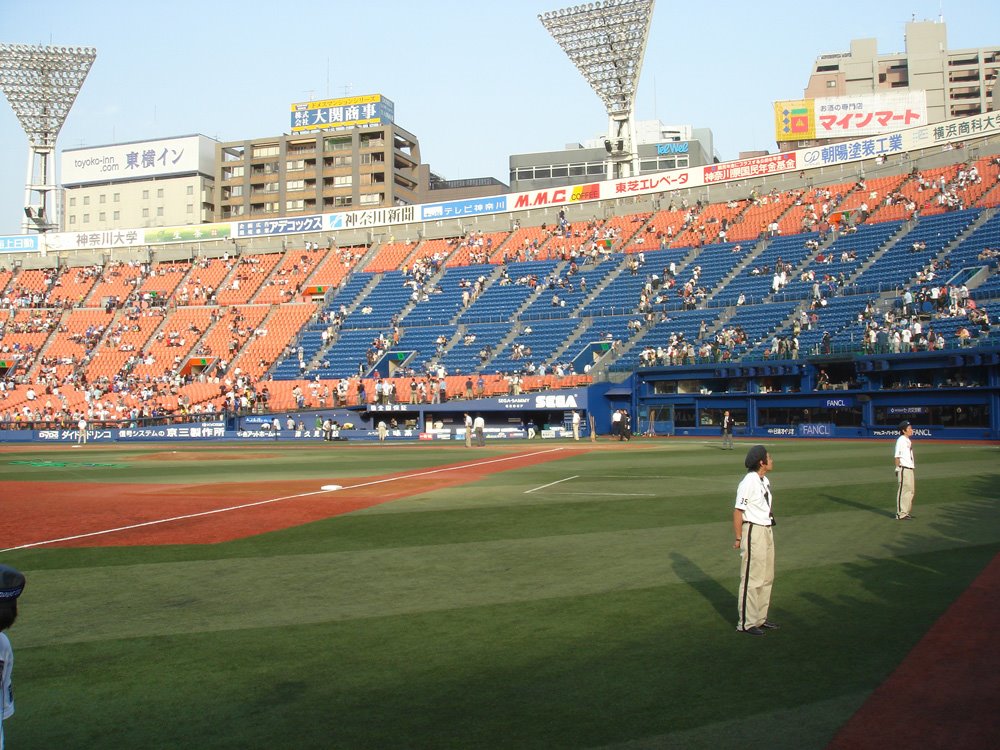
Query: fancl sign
[(839, 403), (809, 429)]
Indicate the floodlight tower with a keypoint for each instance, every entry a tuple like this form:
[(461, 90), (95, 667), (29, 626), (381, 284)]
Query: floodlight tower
[(606, 40), (41, 84)]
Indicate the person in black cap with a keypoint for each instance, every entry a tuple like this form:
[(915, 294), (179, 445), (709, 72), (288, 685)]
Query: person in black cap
[(753, 526), (11, 586), (905, 482)]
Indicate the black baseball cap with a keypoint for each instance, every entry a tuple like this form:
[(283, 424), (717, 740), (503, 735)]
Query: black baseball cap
[(754, 456), (903, 425), (11, 583)]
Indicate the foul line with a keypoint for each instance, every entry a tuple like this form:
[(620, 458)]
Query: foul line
[(277, 500), (526, 492)]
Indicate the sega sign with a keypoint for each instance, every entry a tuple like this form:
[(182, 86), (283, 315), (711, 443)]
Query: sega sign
[(663, 149), (555, 402)]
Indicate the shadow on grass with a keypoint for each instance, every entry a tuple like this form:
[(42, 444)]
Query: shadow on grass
[(860, 506), (721, 598)]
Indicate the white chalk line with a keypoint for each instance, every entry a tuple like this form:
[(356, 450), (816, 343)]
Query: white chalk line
[(610, 494), (566, 479), (275, 500)]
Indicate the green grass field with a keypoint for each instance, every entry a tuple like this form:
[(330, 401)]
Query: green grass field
[(596, 612)]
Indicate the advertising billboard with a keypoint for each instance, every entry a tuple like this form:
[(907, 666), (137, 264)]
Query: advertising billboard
[(848, 116), (193, 154), (340, 114)]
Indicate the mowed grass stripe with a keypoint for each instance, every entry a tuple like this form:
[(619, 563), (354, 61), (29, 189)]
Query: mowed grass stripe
[(583, 671), (349, 585)]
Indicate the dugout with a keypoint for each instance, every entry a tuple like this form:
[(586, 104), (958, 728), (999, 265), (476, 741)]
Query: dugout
[(950, 394)]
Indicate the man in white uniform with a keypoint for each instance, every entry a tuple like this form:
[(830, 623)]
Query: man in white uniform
[(753, 526), (904, 472), (576, 425), (11, 586), (468, 430)]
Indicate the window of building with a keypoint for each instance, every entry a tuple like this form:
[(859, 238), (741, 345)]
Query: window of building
[(344, 180), (833, 84), (116, 215), (295, 165), (86, 218), (343, 161), (190, 208), (371, 199), (339, 143), (296, 205), (343, 200), (827, 68), (294, 185), (560, 171), (159, 210), (262, 151), (102, 198), (102, 216), (145, 195), (117, 197), (597, 168), (72, 219), (86, 200), (145, 213), (159, 192), (576, 170), (72, 202), (231, 172), (190, 189)]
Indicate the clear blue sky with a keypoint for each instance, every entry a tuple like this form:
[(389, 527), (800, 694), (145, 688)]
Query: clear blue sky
[(475, 82)]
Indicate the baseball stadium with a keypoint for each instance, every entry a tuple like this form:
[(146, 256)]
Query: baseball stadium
[(458, 471)]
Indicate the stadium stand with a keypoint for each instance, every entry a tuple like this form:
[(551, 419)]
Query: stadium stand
[(777, 274)]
